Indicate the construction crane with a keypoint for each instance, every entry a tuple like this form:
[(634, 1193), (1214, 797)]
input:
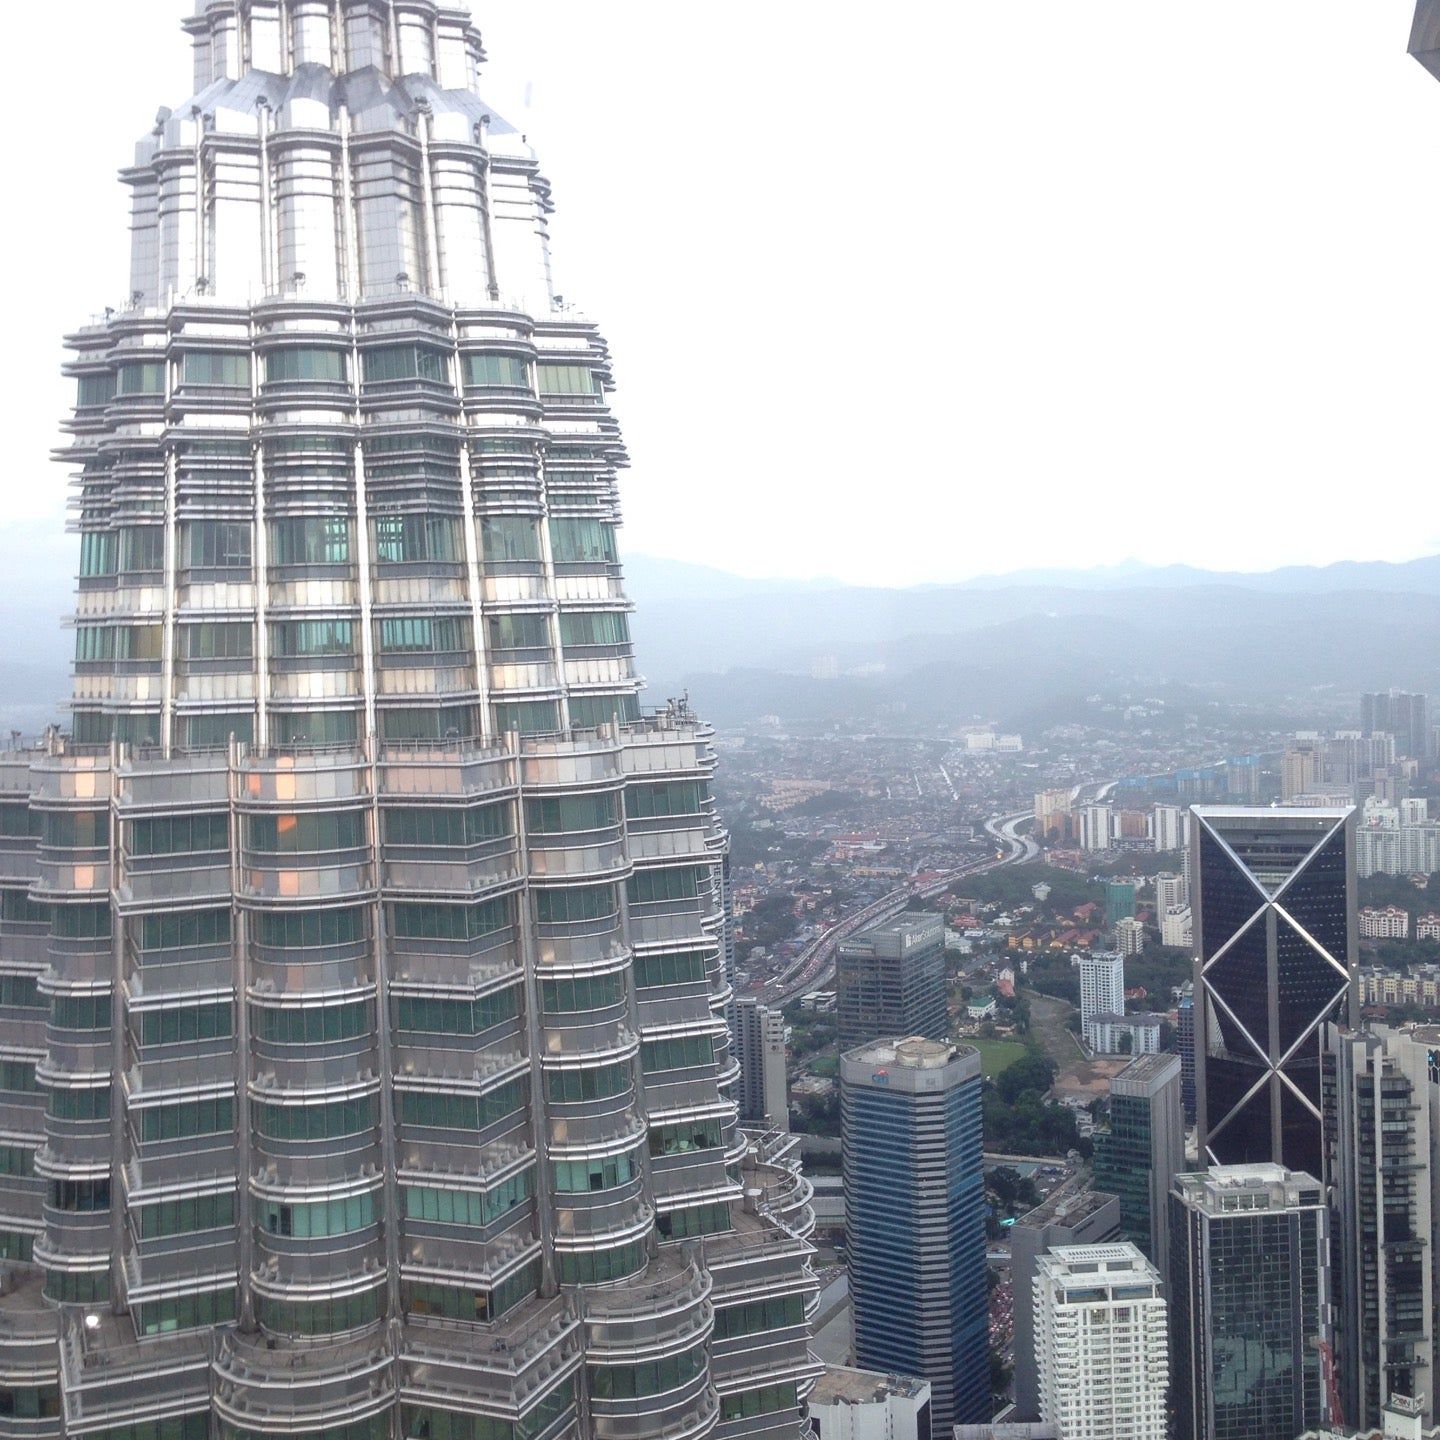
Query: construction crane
[(1336, 1414)]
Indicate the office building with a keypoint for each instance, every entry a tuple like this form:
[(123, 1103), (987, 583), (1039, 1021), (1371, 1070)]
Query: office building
[(1379, 1170), (1249, 1303), (890, 980), (1185, 1044), (1101, 1343), (1089, 1218), (1102, 989), (1139, 1154), (761, 1037), (363, 1061), (1273, 896), (915, 1219), (851, 1404), (1399, 714)]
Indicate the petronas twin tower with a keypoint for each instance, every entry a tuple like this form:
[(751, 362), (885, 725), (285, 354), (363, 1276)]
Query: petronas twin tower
[(364, 1070)]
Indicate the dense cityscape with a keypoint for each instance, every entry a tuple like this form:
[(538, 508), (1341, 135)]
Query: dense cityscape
[(406, 1033)]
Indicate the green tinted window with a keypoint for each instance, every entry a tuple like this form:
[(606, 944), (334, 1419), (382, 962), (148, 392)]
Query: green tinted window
[(141, 377), (315, 364), (215, 367), (583, 542), (310, 540), (568, 380), (509, 537), (508, 370)]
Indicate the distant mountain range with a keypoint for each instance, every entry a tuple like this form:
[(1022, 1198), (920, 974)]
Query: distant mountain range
[(1022, 647)]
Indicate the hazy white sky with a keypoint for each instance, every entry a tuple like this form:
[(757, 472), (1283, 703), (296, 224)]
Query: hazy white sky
[(905, 292)]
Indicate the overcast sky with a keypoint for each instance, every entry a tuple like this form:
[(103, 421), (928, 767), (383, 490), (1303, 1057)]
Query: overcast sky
[(904, 292)]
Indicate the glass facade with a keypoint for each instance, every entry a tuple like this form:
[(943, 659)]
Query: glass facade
[(915, 1220), (338, 1081), (890, 980), (1250, 1299), (1274, 896)]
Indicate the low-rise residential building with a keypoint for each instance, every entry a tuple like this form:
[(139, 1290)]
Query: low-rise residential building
[(1427, 927), (1391, 923), (1126, 1034), (981, 1006), (1420, 987)]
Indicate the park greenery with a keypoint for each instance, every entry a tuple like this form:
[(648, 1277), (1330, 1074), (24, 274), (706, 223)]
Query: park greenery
[(1017, 1120)]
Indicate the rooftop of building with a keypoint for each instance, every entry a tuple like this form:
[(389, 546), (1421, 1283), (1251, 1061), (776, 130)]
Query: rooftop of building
[(1274, 812), (906, 923), (1068, 1209), (1145, 1068), (840, 1385), (912, 1053), (1225, 1189), (1119, 1262)]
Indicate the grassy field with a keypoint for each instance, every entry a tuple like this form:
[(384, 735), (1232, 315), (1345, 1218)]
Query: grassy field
[(997, 1056)]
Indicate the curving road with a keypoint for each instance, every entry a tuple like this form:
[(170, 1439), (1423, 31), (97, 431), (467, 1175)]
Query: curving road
[(815, 964)]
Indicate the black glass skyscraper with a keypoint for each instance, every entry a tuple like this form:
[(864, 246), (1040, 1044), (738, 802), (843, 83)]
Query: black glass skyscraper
[(1275, 950)]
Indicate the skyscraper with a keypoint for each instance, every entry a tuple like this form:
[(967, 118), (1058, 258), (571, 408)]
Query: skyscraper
[(1249, 1303), (915, 1219), (1143, 1149), (890, 980), (1101, 1342), (1379, 1167), (1273, 895), (365, 1070), (763, 1093), (1102, 989)]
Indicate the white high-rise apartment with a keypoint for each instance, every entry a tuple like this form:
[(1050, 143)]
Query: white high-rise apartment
[(1129, 935), (1167, 828), (364, 1065), (1101, 1345), (1171, 890), (1102, 989), (1097, 827)]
